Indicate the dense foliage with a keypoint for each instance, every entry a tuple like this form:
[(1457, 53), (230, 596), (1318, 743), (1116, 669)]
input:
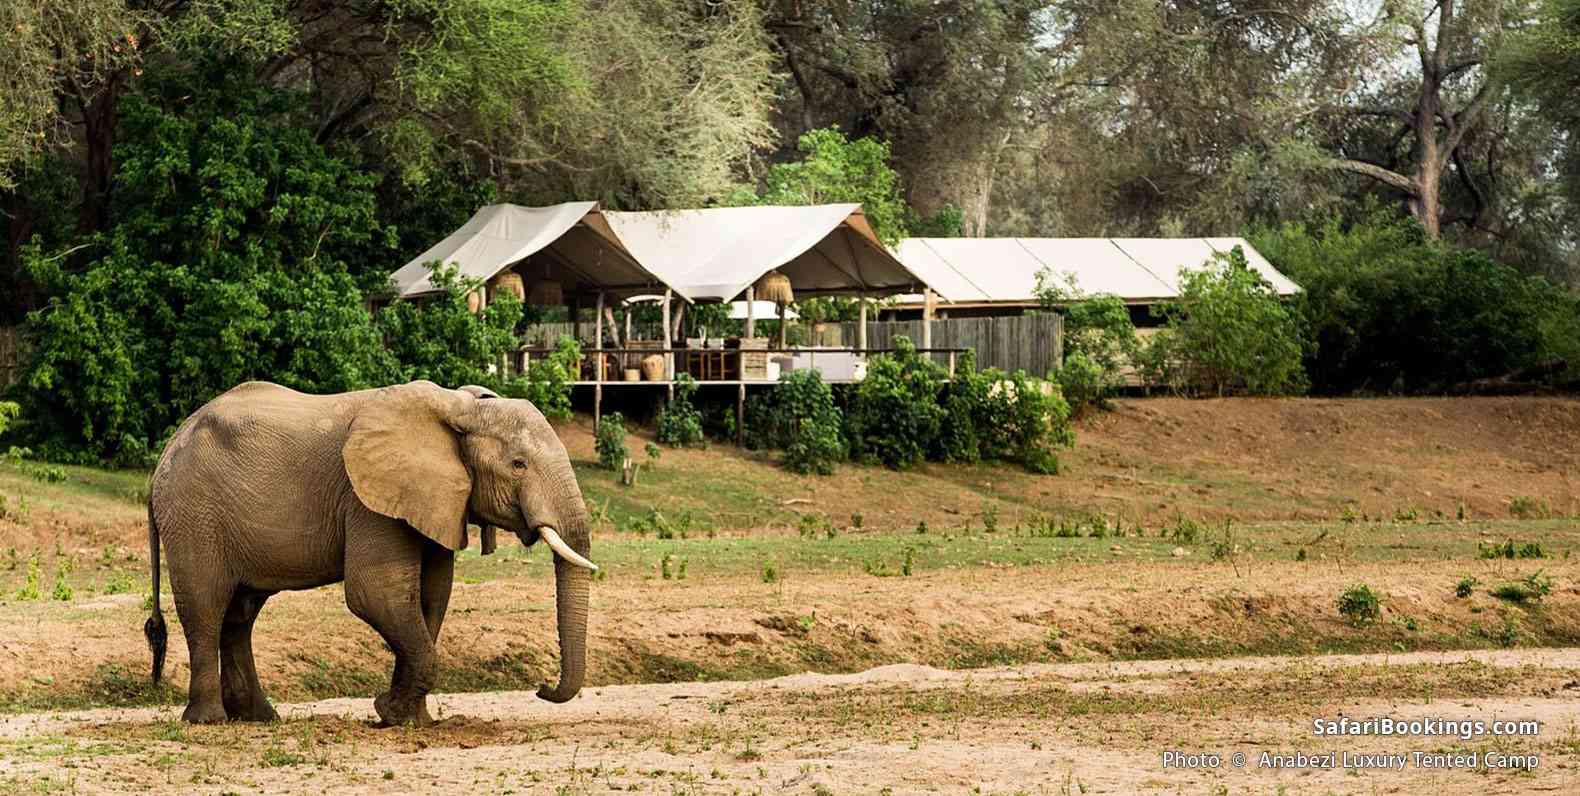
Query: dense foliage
[(228, 264), (1229, 332), (1099, 341), (548, 381), (609, 441), (799, 418), (894, 413), (906, 411), (196, 194), (1011, 417), (680, 422), (1392, 311), (439, 339)]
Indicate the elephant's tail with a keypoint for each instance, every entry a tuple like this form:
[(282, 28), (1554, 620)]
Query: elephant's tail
[(154, 628)]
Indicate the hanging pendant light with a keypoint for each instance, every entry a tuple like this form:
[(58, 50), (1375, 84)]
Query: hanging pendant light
[(509, 282), (774, 287)]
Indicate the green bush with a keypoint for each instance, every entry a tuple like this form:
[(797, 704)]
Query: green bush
[(679, 422), (610, 441), (1099, 341), (227, 260), (894, 413), (1390, 311), (1083, 382), (1229, 332), (991, 416), (1360, 605), (798, 416), (547, 383), (437, 338)]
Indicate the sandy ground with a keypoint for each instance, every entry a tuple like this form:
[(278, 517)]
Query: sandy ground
[(1071, 728)]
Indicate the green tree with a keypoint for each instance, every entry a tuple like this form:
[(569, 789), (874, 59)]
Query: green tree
[(1391, 311), (227, 264), (833, 168), (1231, 332), (437, 338)]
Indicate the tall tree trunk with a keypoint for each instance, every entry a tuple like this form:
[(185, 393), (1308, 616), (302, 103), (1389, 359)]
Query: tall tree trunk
[(98, 166)]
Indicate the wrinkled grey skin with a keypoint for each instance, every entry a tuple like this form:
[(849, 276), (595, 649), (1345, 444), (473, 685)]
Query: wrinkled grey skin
[(266, 489)]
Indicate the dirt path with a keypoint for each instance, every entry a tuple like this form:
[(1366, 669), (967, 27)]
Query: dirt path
[(1072, 728)]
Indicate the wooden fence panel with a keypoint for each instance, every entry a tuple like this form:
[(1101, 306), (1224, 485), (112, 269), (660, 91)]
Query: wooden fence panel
[(1033, 343)]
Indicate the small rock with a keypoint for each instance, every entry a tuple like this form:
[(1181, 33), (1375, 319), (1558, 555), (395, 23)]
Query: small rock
[(1180, 552)]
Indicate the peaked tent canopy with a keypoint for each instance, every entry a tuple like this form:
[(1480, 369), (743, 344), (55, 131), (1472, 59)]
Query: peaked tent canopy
[(570, 243), (716, 253), (1004, 270)]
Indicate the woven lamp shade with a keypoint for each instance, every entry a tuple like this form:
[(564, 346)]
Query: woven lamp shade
[(545, 293), (510, 282), (774, 287)]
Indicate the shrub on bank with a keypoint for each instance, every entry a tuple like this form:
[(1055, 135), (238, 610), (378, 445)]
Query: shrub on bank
[(1390, 311), (799, 418), (1229, 332)]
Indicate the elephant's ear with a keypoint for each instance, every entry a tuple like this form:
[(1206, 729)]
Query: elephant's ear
[(403, 455)]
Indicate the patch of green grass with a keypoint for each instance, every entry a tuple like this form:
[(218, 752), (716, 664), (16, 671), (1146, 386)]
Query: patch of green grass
[(1530, 588), (112, 685), (326, 680), (1043, 542), (1508, 550)]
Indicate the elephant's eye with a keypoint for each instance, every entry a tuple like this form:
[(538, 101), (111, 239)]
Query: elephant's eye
[(519, 465)]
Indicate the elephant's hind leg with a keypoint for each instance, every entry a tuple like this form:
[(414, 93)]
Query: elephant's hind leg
[(242, 693), (202, 612)]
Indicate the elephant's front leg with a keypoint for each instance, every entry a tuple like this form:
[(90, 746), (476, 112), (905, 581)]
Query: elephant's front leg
[(384, 589)]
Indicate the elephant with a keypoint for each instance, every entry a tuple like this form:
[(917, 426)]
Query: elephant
[(266, 489)]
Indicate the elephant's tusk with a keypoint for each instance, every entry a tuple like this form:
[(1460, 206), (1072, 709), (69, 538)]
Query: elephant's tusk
[(564, 550)]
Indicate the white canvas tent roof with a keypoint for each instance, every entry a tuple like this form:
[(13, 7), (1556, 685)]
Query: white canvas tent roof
[(1004, 270), (716, 253), (571, 240)]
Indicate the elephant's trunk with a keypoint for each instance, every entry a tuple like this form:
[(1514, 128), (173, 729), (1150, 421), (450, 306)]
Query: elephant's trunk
[(571, 586)]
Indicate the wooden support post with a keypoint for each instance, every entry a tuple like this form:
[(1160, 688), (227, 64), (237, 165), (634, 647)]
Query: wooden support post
[(680, 322), (782, 326), (927, 318), (598, 322), (597, 404), (951, 365), (614, 328), (601, 362), (751, 312), (861, 322), (740, 415), (574, 307), (669, 359)]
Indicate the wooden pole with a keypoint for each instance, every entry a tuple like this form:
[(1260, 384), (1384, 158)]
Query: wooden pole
[(669, 359), (680, 322), (861, 323), (601, 361), (782, 325), (927, 318), (625, 361), (573, 306), (740, 415), (751, 312)]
